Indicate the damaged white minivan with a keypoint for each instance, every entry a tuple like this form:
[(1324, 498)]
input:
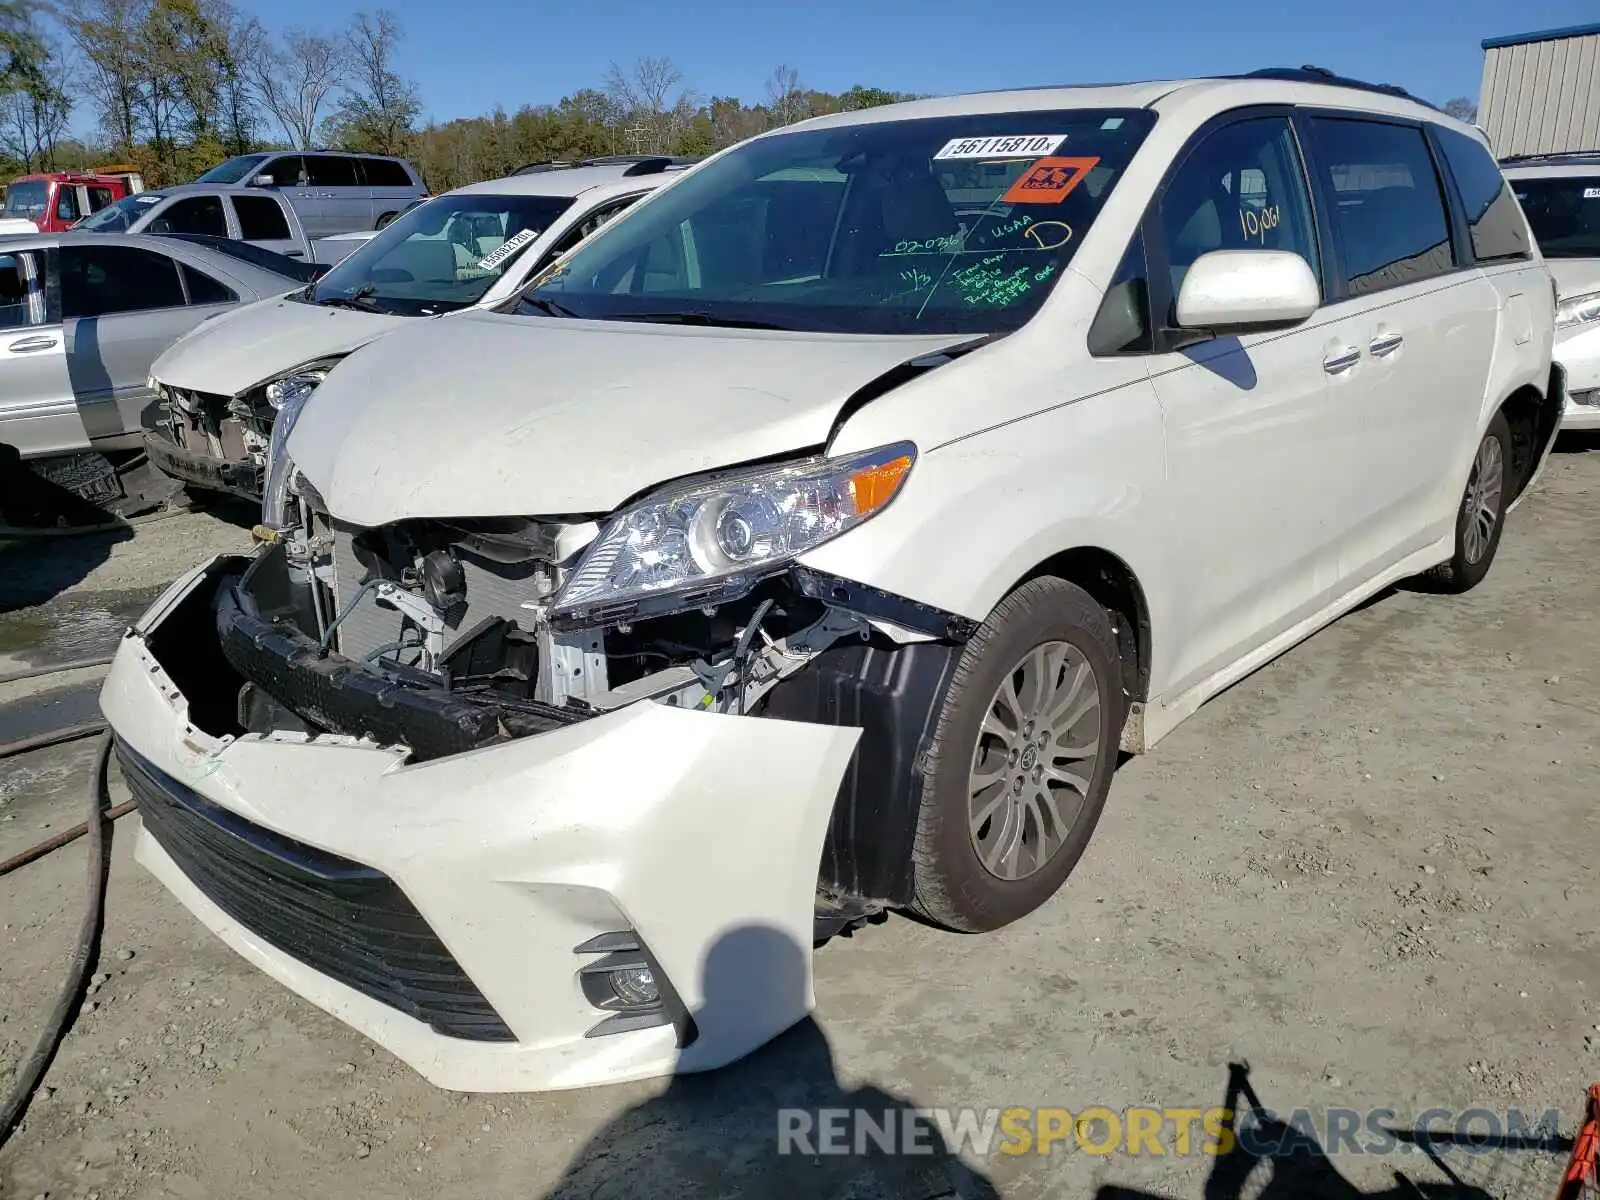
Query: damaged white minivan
[(808, 543)]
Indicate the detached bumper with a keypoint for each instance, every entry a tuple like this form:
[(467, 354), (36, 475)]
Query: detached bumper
[(238, 477), (698, 834)]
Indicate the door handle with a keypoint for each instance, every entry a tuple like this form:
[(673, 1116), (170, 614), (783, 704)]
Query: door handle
[(1385, 343), (29, 345), (1341, 360), (294, 253)]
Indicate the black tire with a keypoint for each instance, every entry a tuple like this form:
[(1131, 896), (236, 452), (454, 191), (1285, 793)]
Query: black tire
[(952, 886), (385, 219), (1474, 555)]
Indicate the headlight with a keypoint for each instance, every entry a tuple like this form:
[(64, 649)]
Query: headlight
[(294, 388), (1579, 310), (288, 394), (733, 530)]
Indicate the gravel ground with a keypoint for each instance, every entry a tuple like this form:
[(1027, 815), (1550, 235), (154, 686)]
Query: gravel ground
[(1368, 870)]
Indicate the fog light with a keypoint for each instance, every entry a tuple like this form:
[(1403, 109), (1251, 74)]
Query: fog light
[(634, 986)]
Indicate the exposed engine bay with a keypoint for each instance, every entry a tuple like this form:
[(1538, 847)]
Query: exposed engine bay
[(232, 431)]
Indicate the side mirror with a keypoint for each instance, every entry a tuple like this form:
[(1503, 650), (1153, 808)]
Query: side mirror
[(1234, 289), (262, 181)]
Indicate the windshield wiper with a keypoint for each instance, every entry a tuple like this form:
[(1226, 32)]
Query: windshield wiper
[(360, 299), (548, 307), (696, 318)]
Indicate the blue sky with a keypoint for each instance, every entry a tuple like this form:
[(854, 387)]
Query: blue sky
[(470, 55)]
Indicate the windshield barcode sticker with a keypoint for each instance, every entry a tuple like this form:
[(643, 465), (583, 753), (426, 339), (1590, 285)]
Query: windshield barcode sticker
[(1591, 193), (1022, 145), (506, 249)]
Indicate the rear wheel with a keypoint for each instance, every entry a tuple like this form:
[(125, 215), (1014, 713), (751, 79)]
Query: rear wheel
[(1482, 514), (1021, 759)]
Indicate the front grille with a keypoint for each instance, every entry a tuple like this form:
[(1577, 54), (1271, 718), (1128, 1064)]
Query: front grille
[(348, 921)]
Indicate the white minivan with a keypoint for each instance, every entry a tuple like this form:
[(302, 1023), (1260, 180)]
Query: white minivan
[(809, 542)]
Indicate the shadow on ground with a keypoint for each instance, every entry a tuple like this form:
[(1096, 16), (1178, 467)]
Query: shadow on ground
[(718, 1134), (1275, 1160)]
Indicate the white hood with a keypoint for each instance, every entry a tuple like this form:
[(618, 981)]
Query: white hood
[(232, 353), (495, 415), (10, 225), (1575, 276)]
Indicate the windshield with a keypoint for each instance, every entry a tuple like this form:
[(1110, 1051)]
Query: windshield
[(947, 224), (233, 170), (1564, 214), (27, 199), (440, 256), (116, 218)]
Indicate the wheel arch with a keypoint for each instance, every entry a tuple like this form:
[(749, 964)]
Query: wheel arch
[(1112, 582), (1535, 419)]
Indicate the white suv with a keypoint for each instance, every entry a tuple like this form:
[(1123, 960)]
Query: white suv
[(807, 543), (1560, 193)]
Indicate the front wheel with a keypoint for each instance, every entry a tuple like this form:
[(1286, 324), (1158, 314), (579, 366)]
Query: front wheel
[(384, 220), (1482, 514), (1021, 759)]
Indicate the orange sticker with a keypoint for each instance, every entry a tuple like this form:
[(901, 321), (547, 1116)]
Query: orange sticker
[(1049, 180)]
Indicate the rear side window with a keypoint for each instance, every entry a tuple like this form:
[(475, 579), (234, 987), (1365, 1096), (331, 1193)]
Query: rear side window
[(332, 170), (203, 289), (385, 172), (194, 214), (1498, 230), (1242, 188), (98, 281), (261, 219), (100, 197), (1378, 183)]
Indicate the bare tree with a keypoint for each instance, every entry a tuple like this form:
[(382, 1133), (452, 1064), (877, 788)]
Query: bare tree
[(382, 106), (34, 115), (107, 36), (1461, 109), (786, 96), (649, 101), (293, 80)]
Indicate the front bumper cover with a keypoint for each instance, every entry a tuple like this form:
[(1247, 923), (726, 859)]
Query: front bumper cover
[(700, 832), (237, 477)]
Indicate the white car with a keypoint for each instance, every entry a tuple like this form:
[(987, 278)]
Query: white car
[(472, 247), (807, 543), (1560, 193)]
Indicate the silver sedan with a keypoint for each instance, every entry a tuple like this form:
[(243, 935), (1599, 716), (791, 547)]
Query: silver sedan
[(83, 315)]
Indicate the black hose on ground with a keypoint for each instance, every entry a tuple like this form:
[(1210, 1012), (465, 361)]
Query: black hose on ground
[(54, 738), (77, 664), (18, 532), (83, 955)]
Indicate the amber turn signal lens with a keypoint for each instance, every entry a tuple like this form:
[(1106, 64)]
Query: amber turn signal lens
[(873, 487)]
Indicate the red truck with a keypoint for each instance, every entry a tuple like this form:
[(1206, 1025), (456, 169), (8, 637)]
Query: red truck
[(53, 202)]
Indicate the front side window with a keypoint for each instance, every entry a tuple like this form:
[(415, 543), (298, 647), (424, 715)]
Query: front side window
[(287, 171), (1388, 212), (1242, 188), (943, 224), (194, 214), (1564, 213), (67, 204), (261, 219), (441, 256), (234, 170), (1498, 231), (99, 281), (27, 199), (119, 217)]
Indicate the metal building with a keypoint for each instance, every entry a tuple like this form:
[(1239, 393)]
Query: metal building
[(1541, 91)]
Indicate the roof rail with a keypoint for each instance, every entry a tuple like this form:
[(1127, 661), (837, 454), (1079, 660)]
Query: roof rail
[(1311, 74), (636, 164)]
